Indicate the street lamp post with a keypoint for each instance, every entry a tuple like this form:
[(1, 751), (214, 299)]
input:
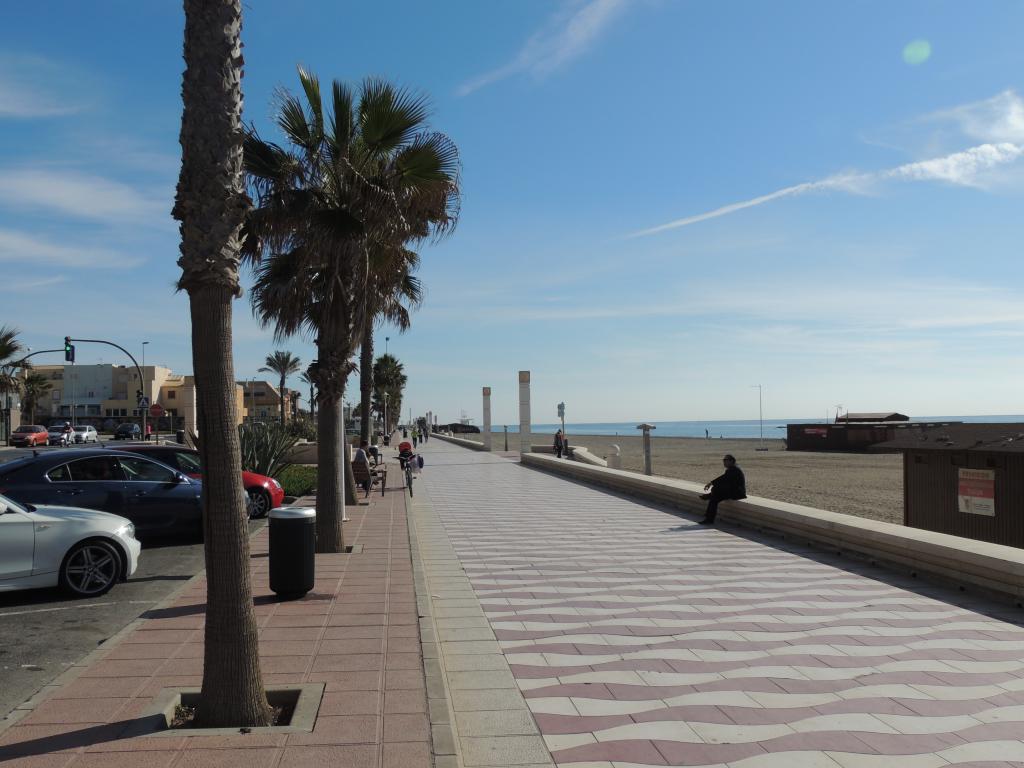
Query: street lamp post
[(386, 340), (760, 413), (142, 386)]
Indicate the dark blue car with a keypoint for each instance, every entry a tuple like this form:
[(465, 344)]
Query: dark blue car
[(157, 499)]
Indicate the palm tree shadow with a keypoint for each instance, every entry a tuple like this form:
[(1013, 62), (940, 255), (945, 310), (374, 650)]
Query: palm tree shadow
[(83, 737)]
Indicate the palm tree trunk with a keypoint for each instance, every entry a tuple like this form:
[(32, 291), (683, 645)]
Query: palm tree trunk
[(330, 436), (210, 204), (366, 382), (232, 692)]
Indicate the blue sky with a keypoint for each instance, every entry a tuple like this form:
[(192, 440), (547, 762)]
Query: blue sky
[(665, 202)]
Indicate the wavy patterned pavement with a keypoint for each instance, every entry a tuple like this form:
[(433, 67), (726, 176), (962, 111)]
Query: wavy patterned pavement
[(642, 639)]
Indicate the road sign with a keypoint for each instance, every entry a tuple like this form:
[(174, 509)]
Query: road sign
[(561, 410), (156, 410)]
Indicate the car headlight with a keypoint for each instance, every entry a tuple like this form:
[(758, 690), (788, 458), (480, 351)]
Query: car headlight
[(276, 484), (128, 531)]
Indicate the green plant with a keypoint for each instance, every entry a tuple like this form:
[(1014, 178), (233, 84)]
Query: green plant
[(303, 428), (298, 479), (265, 447)]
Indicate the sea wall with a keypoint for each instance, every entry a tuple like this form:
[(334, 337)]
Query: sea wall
[(951, 559)]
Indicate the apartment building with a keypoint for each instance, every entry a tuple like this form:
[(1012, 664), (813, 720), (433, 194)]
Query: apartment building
[(263, 401)]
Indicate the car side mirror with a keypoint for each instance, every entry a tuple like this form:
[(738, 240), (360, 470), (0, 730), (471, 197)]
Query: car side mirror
[(180, 478)]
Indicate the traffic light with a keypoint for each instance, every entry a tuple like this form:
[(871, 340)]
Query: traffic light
[(69, 350)]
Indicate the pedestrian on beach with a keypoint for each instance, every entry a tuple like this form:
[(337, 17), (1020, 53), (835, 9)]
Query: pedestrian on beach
[(559, 444), (731, 484), (415, 437), (707, 435)]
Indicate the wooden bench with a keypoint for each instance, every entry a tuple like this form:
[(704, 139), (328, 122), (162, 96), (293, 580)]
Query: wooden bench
[(366, 477)]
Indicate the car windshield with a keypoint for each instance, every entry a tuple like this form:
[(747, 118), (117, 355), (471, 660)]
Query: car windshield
[(23, 430), (189, 462), (81, 429), (56, 428)]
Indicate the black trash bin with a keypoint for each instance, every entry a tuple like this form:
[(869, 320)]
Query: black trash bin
[(292, 551), (180, 436)]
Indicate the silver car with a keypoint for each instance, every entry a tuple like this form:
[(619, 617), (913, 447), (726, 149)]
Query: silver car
[(86, 434), (56, 435)]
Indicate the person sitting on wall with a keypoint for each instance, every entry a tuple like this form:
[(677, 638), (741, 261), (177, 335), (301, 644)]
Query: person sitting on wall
[(731, 484), (362, 457)]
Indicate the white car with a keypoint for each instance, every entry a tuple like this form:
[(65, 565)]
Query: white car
[(86, 434), (83, 551)]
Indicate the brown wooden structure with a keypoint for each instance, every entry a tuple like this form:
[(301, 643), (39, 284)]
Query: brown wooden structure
[(965, 480), (852, 436)]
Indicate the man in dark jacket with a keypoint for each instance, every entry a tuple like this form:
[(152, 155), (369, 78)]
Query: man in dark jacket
[(731, 484)]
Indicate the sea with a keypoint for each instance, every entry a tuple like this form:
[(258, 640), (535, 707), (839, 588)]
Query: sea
[(735, 428)]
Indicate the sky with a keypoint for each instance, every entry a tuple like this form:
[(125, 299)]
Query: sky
[(664, 202)]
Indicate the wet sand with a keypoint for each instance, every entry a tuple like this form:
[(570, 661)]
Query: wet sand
[(863, 484)]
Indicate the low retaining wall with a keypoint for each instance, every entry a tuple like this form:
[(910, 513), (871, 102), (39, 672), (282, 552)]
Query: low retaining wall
[(471, 444), (993, 567)]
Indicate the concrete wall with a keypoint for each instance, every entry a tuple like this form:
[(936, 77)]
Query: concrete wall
[(471, 444), (952, 559)]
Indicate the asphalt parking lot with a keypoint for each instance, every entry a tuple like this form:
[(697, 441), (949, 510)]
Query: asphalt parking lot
[(42, 633)]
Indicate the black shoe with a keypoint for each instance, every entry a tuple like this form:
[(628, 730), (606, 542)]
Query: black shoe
[(705, 521)]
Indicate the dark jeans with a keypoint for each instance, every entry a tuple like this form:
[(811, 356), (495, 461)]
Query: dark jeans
[(558, 450), (712, 510)]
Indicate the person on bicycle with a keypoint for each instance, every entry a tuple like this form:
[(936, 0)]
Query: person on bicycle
[(405, 452)]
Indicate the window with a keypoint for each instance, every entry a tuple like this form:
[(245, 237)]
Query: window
[(259, 393), (59, 474), (188, 462), (139, 470), (55, 394), (171, 394), (98, 468), (90, 393), (58, 375)]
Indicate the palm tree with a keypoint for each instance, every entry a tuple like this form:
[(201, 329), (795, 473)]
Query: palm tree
[(33, 389), (211, 205), (391, 291), (360, 175), (284, 364), (305, 378), (10, 359), (389, 381)]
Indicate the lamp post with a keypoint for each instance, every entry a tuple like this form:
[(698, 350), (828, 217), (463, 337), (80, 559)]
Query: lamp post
[(646, 428), (760, 413), (386, 432), (142, 386), (386, 340)]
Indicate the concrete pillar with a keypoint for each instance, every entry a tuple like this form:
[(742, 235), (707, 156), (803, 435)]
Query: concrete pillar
[(647, 445), (615, 458), (524, 411), (487, 418)]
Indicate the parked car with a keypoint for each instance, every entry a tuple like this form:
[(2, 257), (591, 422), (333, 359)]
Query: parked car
[(159, 500), (264, 492), (86, 433), (128, 432), (57, 435), (29, 436), (83, 551)]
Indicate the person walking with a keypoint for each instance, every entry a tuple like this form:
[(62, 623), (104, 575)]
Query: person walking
[(559, 444), (731, 484), (415, 436)]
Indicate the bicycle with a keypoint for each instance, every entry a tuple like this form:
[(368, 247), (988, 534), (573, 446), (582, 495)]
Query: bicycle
[(407, 464)]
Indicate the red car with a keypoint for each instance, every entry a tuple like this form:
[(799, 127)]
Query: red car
[(29, 436), (265, 493)]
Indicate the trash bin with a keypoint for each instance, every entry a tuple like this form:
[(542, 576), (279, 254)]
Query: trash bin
[(405, 433), (387, 440), (180, 436), (292, 551)]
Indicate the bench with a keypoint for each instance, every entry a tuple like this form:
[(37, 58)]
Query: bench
[(367, 478)]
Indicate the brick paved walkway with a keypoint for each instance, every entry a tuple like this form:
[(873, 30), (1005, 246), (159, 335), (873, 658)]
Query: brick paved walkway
[(356, 631), (640, 638)]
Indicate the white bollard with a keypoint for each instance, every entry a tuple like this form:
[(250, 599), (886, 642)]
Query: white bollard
[(524, 412)]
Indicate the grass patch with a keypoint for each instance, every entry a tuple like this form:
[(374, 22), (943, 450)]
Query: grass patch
[(297, 480)]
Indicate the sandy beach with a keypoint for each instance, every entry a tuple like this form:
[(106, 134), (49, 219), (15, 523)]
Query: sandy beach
[(863, 484)]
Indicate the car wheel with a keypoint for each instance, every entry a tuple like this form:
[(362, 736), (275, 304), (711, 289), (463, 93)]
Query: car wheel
[(259, 503), (90, 569)]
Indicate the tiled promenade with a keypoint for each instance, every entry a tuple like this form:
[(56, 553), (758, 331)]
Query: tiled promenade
[(356, 632), (639, 638)]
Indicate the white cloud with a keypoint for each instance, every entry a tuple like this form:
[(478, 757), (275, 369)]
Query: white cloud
[(31, 283), (566, 36), (26, 88), (964, 168), (78, 195), (28, 250), (998, 119)]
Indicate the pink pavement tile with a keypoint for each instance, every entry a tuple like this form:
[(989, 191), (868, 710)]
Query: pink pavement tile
[(350, 703), (679, 753), (407, 727), (228, 758), (373, 645), (357, 756), (287, 647), (404, 702), (560, 724), (152, 759), (358, 633), (407, 755), (339, 729), (402, 660), (73, 711), (348, 662), (35, 761), (348, 681)]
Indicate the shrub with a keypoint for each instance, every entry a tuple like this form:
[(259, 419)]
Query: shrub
[(298, 479), (303, 428), (265, 448)]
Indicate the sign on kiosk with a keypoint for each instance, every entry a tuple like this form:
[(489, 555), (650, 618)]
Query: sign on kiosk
[(976, 491)]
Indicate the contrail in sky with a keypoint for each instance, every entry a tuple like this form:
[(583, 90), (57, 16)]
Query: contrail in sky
[(958, 168)]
